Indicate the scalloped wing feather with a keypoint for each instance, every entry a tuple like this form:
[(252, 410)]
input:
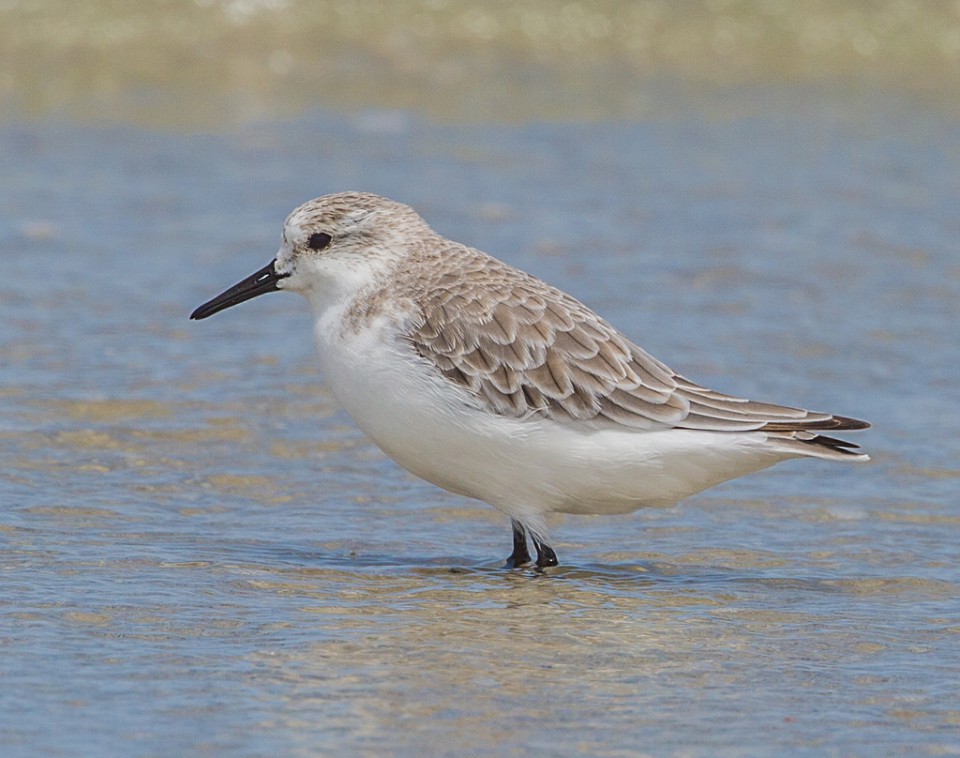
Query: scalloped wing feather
[(523, 347)]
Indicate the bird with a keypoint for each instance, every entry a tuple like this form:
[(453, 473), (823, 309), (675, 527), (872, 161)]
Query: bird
[(492, 384)]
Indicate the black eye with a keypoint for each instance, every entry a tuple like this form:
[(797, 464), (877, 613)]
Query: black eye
[(318, 241)]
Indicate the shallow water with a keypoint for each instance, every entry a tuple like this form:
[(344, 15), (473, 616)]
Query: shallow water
[(201, 554)]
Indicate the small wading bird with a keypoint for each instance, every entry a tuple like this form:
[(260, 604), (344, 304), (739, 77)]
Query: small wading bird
[(486, 381)]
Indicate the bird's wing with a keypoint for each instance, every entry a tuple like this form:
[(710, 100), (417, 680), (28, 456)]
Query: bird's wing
[(524, 348)]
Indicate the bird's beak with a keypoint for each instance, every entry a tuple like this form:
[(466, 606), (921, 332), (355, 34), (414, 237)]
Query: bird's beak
[(265, 280)]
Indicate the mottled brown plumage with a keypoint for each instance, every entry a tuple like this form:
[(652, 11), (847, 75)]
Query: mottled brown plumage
[(525, 348)]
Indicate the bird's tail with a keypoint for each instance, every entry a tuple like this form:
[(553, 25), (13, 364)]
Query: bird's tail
[(809, 443)]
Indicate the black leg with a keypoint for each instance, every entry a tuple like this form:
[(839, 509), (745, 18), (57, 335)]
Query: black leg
[(545, 555), (520, 555)]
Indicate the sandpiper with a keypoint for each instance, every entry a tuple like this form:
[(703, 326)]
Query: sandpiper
[(490, 383)]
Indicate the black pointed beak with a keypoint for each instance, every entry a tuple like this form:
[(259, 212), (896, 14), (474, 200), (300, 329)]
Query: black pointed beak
[(263, 281)]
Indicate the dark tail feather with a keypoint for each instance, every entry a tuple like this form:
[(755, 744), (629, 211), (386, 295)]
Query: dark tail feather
[(833, 422), (832, 442)]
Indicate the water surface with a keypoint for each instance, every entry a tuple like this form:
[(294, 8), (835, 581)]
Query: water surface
[(202, 556)]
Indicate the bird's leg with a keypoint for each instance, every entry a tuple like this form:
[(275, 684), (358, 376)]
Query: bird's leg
[(545, 555), (520, 555)]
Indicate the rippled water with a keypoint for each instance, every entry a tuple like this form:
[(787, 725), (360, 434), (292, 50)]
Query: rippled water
[(201, 555)]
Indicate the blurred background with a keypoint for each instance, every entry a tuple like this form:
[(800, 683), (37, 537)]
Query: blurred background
[(201, 554), (186, 63)]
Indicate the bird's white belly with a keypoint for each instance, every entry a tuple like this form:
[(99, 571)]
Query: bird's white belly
[(524, 467)]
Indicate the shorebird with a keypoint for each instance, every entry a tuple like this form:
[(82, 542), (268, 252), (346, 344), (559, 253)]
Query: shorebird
[(492, 384)]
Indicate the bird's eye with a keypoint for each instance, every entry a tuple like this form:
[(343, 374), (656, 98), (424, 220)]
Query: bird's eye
[(318, 241)]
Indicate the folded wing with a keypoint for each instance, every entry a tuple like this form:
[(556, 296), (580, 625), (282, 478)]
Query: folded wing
[(525, 348)]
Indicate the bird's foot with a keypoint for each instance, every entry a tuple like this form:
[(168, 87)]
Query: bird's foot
[(546, 557), (520, 555)]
